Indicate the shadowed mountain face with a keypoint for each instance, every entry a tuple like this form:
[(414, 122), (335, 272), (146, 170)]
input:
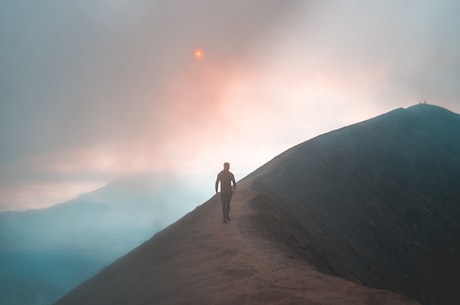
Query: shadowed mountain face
[(378, 202), (376, 205)]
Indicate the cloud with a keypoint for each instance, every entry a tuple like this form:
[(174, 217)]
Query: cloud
[(92, 90), (117, 78)]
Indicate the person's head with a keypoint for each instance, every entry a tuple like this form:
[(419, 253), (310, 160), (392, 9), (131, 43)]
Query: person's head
[(226, 166)]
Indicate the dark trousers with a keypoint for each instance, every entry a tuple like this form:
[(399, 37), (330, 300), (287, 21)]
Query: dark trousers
[(225, 198)]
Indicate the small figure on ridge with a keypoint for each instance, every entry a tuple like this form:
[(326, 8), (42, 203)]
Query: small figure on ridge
[(227, 186)]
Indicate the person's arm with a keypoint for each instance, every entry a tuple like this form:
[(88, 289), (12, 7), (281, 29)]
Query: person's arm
[(233, 182), (217, 183)]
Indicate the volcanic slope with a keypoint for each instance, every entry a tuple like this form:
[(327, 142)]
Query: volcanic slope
[(341, 219), (378, 202)]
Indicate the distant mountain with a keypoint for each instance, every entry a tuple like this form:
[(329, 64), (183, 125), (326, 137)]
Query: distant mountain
[(367, 214), (45, 253)]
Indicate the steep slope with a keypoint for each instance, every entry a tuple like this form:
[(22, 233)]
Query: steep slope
[(379, 201), (375, 203), (45, 253), (200, 260)]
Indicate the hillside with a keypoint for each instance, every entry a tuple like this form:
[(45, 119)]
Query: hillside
[(379, 201), (367, 214), (47, 252)]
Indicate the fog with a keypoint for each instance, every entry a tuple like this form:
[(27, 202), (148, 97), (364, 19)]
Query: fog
[(91, 91)]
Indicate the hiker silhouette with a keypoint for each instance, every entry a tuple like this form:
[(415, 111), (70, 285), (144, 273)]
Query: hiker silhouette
[(227, 182)]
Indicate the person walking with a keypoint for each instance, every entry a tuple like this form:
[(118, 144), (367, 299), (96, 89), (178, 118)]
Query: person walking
[(227, 186)]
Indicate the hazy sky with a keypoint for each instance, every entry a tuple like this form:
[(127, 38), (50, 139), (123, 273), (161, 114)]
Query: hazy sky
[(91, 90)]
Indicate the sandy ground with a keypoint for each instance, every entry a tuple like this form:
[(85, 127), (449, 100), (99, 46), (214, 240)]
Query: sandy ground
[(200, 260)]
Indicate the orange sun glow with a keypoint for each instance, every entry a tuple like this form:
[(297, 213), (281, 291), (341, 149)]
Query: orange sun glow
[(198, 53)]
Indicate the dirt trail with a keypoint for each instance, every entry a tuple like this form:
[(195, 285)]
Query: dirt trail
[(242, 266)]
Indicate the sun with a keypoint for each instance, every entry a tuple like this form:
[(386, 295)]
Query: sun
[(198, 53)]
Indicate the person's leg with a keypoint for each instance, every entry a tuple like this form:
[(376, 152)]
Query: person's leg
[(225, 205), (228, 206), (228, 198), (224, 210)]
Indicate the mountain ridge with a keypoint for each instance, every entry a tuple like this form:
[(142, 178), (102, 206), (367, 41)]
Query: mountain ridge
[(343, 218), (398, 181)]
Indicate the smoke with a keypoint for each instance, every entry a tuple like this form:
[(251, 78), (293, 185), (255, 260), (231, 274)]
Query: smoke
[(94, 90)]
